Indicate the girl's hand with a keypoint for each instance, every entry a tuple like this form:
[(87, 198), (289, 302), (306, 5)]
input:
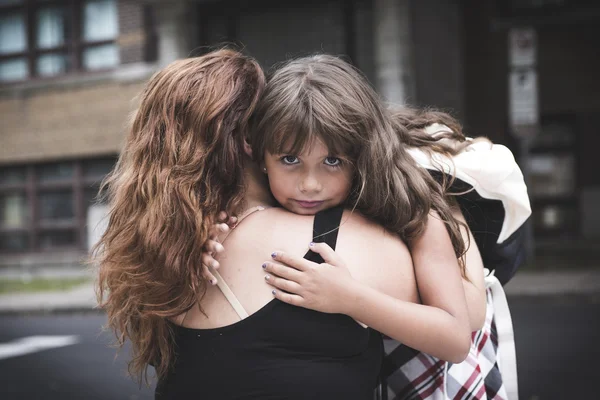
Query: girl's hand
[(323, 287), (212, 247)]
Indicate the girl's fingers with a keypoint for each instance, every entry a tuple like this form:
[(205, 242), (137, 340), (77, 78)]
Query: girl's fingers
[(289, 298), (227, 219), (217, 229), (232, 221), (206, 274), (212, 246), (223, 228), (327, 253), (283, 284), (299, 263), (222, 217), (208, 260), (283, 271)]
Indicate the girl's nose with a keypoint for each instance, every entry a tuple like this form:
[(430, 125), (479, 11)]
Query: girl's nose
[(310, 184)]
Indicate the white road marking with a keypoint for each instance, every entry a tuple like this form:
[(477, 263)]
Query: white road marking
[(32, 344)]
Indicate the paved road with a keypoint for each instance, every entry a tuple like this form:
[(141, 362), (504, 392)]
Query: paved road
[(557, 350), (86, 370)]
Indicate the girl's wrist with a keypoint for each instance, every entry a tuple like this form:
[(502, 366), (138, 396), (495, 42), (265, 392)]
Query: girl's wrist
[(350, 297)]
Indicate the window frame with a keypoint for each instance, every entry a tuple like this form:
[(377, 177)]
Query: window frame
[(74, 45), (32, 189)]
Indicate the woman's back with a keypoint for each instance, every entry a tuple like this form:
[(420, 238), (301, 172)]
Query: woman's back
[(372, 255), (279, 351)]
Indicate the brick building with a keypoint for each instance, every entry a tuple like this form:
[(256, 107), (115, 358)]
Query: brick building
[(69, 75), (70, 71)]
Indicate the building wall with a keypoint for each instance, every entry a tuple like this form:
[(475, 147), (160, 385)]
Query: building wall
[(568, 71), (75, 116), (485, 69), (76, 121), (363, 36), (457, 60), (567, 65), (437, 33), (79, 121)]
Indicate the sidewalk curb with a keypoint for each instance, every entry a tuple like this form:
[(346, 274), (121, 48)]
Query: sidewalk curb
[(582, 282), (77, 299), (554, 285), (51, 311)]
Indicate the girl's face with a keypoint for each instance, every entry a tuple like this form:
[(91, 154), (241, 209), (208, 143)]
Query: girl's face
[(309, 182)]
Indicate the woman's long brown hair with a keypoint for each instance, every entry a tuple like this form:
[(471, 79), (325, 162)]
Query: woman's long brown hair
[(326, 98), (181, 165)]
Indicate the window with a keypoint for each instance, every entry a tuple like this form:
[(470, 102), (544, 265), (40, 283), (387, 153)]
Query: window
[(48, 38), (44, 206), (553, 172)]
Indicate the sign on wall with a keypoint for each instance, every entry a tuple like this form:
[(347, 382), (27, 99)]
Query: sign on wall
[(523, 82), (523, 95), (523, 46)]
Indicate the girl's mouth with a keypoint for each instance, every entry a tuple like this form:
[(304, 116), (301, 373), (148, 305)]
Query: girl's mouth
[(309, 204)]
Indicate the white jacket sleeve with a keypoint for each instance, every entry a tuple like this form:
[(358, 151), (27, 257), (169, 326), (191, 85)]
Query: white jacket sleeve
[(492, 171)]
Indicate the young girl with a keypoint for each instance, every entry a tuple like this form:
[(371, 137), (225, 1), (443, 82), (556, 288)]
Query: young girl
[(308, 135), (323, 139)]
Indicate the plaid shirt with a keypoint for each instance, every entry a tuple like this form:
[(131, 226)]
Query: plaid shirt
[(409, 374)]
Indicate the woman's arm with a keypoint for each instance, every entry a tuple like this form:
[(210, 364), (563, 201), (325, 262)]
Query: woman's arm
[(440, 328)]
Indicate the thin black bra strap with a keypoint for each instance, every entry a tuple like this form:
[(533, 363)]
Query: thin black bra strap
[(325, 230)]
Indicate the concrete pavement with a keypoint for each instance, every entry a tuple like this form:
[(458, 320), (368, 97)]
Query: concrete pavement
[(80, 298), (577, 282), (555, 283)]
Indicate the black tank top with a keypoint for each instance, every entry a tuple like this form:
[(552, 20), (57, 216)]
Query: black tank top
[(279, 352)]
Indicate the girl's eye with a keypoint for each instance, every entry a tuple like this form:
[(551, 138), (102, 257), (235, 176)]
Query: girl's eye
[(332, 161), (289, 160)]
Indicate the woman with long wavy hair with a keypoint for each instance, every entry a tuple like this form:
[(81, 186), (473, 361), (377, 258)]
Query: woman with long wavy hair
[(180, 166)]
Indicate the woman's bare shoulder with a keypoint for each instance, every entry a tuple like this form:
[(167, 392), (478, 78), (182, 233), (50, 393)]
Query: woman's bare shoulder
[(357, 224), (272, 228), (376, 256), (277, 218), (358, 230)]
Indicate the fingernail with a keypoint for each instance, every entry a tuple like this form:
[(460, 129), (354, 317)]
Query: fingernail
[(267, 277), (219, 247), (213, 281), (214, 264), (274, 292), (311, 244), (274, 254), (264, 265)]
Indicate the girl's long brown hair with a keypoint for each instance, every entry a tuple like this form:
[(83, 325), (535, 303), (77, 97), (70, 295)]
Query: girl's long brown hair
[(182, 163), (326, 98), (433, 132)]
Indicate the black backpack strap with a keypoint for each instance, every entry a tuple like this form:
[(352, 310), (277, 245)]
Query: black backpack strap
[(325, 230), (485, 218)]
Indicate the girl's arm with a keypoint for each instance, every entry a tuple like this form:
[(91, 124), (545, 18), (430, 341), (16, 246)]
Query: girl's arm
[(440, 326), (474, 286)]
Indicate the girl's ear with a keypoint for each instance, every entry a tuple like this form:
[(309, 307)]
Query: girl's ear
[(247, 148)]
